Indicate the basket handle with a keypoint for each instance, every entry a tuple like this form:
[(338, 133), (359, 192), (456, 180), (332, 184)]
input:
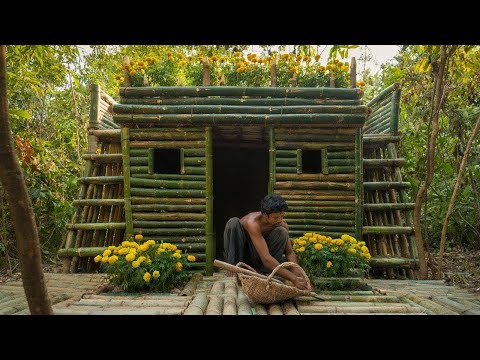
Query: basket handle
[(289, 264), (246, 266)]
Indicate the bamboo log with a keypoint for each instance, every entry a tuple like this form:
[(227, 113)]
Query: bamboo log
[(385, 185), (169, 231), (313, 185), (242, 109), (141, 169), (231, 288), (260, 309), (206, 72), (313, 146), (100, 180), (170, 208), (237, 269), (384, 93), (198, 305), (178, 239), (340, 155), (165, 224), (103, 158), (395, 111), (215, 305), (279, 92), (194, 161), (332, 120), (332, 234), (324, 163), (319, 203), (377, 140), (353, 73), (315, 131), (218, 288), (348, 208), (238, 101), (359, 184), (374, 163), (166, 144), (273, 72), (389, 206), (98, 202), (314, 137), (183, 136), (289, 308), (243, 304), (189, 170), (454, 305), (321, 229), (312, 222), (166, 184), (141, 161), (169, 216), (189, 288), (285, 169), (387, 230), (209, 230), (168, 193), (312, 215), (170, 177), (274, 309), (229, 305), (168, 201), (308, 197), (379, 105), (125, 140), (431, 305), (399, 309), (96, 226), (379, 261), (316, 177), (299, 163), (81, 252)]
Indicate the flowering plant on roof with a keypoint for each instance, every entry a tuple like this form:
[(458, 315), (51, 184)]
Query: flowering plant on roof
[(322, 256), (145, 265)]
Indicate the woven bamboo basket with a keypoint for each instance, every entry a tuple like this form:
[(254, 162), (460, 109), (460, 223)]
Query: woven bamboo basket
[(270, 290)]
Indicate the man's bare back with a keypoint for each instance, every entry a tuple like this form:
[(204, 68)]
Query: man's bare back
[(252, 224)]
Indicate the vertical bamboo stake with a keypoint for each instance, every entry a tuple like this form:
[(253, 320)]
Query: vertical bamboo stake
[(273, 72), (299, 161), (358, 183), (127, 80), (126, 182), (395, 112), (209, 235), (324, 161), (182, 161), (271, 162), (353, 73), (151, 161), (94, 116), (206, 72)]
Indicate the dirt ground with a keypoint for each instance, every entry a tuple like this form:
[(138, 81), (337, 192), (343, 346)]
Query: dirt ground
[(461, 268)]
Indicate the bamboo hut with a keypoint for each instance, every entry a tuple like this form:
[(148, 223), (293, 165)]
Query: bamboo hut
[(175, 163)]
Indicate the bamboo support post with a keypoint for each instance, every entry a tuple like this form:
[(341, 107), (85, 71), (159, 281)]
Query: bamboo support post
[(353, 73), (198, 305), (126, 182)]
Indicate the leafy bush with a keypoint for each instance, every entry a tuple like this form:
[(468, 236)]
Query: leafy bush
[(322, 256), (148, 266)]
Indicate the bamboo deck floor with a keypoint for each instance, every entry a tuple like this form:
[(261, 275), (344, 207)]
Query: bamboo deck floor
[(81, 294)]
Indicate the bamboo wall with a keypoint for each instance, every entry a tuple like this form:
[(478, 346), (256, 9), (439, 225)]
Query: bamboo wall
[(388, 222)]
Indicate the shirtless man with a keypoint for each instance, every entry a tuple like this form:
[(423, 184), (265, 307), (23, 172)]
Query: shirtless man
[(260, 239)]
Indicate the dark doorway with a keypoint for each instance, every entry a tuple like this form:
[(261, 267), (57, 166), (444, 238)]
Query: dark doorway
[(240, 181)]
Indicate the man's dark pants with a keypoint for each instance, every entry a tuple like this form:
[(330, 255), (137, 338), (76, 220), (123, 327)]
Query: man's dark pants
[(239, 248)]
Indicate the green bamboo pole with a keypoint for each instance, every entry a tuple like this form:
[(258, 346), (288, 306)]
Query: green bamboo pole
[(383, 94), (100, 180), (242, 109), (314, 137), (341, 169), (170, 177), (140, 152), (238, 101), (314, 145), (383, 127), (168, 224), (194, 152), (281, 154), (171, 135), (385, 185), (299, 161), (139, 170), (170, 231), (358, 184), (166, 184), (272, 160), (103, 158), (341, 155), (313, 185), (151, 161), (387, 230), (310, 197), (325, 209), (389, 206), (286, 169), (195, 170), (182, 161), (168, 216), (286, 161), (98, 202), (295, 129), (139, 161), (106, 135), (380, 261), (384, 112), (324, 161), (178, 239), (380, 140), (342, 162), (332, 120), (194, 161), (311, 222), (332, 234), (321, 228), (166, 144), (313, 193), (296, 92), (319, 215), (155, 130), (210, 235), (164, 207), (381, 104), (316, 177), (95, 226), (168, 201), (378, 163), (167, 193), (81, 252), (125, 139), (313, 203)]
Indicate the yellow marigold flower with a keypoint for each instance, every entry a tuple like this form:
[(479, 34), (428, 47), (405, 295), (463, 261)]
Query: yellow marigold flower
[(301, 249), (141, 259), (318, 246), (173, 247), (329, 264), (177, 255), (308, 234), (151, 242), (143, 247), (179, 266), (125, 243), (340, 242), (302, 243), (156, 274), (334, 249), (130, 257), (352, 251), (361, 243), (112, 259), (107, 252), (147, 277), (104, 259), (345, 237), (98, 258), (139, 237), (191, 258), (132, 251), (135, 264), (111, 247), (148, 262), (123, 251), (133, 72), (178, 251), (364, 249), (160, 250)]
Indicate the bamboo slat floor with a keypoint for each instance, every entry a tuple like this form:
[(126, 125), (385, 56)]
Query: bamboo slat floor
[(81, 294)]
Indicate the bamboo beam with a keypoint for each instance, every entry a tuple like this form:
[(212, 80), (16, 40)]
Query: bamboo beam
[(374, 163), (316, 177), (395, 111), (332, 120), (324, 163), (103, 158), (167, 224), (313, 146), (168, 193), (198, 305), (286, 131), (171, 231), (125, 139), (206, 72), (168, 216), (314, 185), (173, 208), (311, 215), (385, 185), (309, 197), (170, 177), (81, 252), (299, 163), (100, 180), (96, 226), (383, 94), (112, 134), (279, 92), (387, 230), (312, 222), (183, 136), (389, 206), (380, 261), (166, 184), (98, 202), (209, 232), (166, 144), (380, 139), (273, 72), (168, 201)]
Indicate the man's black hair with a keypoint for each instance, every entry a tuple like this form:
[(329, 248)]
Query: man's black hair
[(273, 203)]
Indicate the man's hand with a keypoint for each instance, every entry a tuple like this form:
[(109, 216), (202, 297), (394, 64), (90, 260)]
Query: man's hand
[(302, 284)]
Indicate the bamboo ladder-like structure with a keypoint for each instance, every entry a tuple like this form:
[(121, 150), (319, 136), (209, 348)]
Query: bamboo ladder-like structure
[(388, 224)]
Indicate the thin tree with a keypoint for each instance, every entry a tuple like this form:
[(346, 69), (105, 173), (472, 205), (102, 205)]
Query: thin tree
[(21, 210), (454, 196), (437, 102)]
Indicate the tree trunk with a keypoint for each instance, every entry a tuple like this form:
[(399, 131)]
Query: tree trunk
[(454, 196), (438, 97), (21, 210)]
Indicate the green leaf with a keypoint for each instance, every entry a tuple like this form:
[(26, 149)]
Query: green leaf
[(20, 114)]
